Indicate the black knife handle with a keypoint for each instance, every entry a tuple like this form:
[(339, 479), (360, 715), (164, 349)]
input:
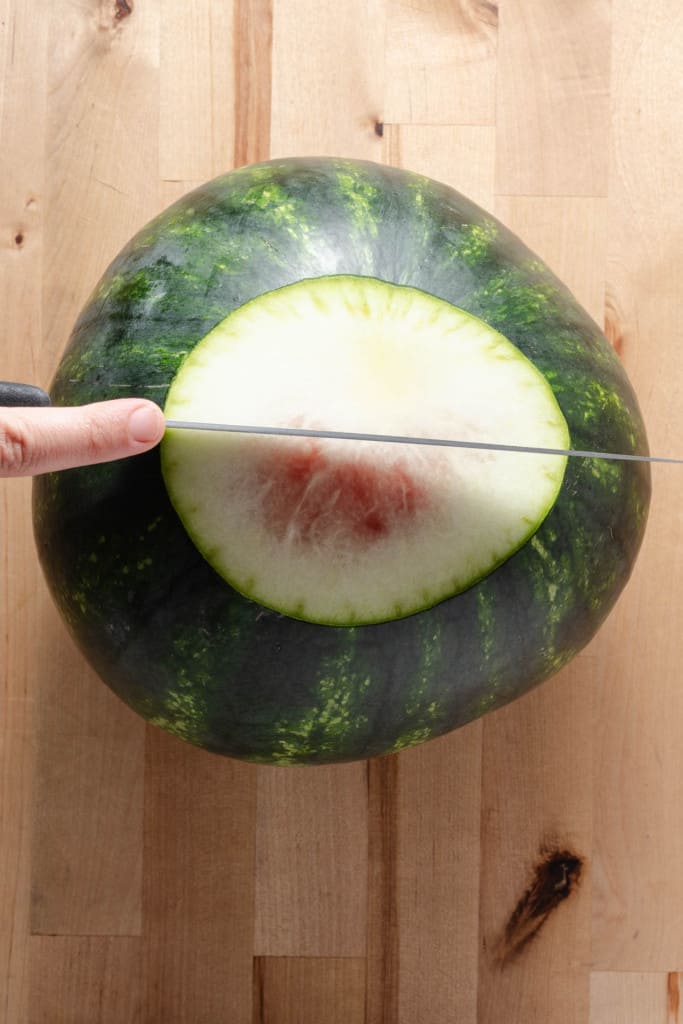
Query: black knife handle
[(22, 394)]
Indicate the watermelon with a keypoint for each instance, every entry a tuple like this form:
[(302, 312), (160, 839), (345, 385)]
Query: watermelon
[(266, 660)]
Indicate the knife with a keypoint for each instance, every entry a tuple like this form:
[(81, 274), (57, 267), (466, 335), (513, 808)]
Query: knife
[(443, 442), (13, 394)]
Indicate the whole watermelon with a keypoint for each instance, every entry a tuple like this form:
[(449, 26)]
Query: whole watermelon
[(196, 658)]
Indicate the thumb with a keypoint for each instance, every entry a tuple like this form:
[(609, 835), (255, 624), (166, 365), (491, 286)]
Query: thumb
[(40, 440)]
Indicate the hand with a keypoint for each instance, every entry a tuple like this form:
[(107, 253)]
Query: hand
[(39, 440)]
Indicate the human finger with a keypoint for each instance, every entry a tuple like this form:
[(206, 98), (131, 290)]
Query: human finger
[(39, 440)]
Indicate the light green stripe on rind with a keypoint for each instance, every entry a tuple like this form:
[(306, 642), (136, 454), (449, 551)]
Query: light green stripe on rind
[(422, 709), (332, 721), (360, 197)]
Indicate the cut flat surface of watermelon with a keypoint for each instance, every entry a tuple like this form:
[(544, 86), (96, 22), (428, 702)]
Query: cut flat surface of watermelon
[(342, 532)]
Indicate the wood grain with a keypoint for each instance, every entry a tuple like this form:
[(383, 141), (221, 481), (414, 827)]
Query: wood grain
[(635, 998), (639, 840), (23, 39), (311, 856), (441, 62), (383, 938), (200, 818), (18, 588), (89, 980), (197, 90), (437, 884), (638, 766), (86, 876), (292, 990), (535, 849), (253, 59), (324, 108), (552, 94), (525, 869)]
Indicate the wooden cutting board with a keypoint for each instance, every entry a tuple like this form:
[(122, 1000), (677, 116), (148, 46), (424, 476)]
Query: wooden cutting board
[(526, 869)]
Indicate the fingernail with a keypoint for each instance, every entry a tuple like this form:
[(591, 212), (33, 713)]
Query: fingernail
[(145, 424)]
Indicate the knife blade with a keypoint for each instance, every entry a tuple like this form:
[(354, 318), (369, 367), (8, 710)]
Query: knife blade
[(16, 394), (444, 442)]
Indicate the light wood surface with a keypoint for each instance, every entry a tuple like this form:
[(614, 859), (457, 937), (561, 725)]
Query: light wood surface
[(145, 882)]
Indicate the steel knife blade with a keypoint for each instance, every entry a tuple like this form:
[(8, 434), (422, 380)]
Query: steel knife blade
[(16, 394), (443, 442)]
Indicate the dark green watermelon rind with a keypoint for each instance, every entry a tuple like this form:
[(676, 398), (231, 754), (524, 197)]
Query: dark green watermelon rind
[(199, 660)]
